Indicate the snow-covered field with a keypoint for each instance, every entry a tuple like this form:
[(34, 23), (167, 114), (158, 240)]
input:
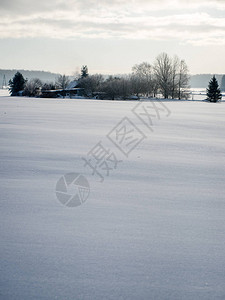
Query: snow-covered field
[(154, 229)]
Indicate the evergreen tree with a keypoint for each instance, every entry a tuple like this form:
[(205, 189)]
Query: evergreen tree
[(84, 72), (213, 91), (17, 84)]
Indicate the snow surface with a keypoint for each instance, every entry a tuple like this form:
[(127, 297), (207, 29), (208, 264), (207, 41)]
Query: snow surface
[(154, 229)]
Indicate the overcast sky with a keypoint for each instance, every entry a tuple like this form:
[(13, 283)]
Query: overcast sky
[(111, 36)]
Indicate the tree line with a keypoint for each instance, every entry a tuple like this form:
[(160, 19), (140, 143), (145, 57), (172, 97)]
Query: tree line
[(167, 77)]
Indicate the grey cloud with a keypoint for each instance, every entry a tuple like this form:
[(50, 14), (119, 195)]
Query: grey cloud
[(70, 19), (23, 7), (72, 28)]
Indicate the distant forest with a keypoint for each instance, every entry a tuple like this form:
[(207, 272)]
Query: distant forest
[(196, 81)]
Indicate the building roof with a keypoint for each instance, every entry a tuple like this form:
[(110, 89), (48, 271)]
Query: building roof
[(72, 85)]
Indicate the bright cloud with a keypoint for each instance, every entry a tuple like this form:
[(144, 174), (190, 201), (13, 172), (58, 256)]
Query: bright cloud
[(142, 19)]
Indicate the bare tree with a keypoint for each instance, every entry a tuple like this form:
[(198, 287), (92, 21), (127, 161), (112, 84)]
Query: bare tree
[(62, 81), (174, 76), (163, 73), (91, 83), (76, 74), (48, 86), (124, 87), (142, 75), (136, 85), (111, 87), (155, 86), (183, 80), (33, 87)]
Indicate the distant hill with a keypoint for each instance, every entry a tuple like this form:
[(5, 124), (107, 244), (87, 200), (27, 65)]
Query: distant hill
[(202, 80), (42, 75)]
